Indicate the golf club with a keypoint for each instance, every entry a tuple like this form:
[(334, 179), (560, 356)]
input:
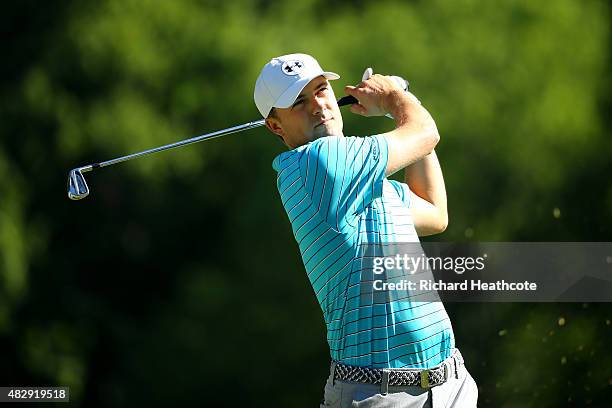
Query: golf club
[(77, 186)]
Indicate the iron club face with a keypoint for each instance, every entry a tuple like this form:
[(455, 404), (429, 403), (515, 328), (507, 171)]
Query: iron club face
[(77, 186)]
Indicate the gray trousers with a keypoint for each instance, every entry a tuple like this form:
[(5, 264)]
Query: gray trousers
[(459, 391)]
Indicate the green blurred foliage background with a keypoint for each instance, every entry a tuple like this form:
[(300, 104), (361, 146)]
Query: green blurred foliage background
[(178, 279)]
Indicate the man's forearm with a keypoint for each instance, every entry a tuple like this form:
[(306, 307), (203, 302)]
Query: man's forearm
[(425, 179)]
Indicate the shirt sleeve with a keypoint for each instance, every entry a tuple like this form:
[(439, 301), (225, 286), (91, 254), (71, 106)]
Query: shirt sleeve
[(403, 191), (343, 175)]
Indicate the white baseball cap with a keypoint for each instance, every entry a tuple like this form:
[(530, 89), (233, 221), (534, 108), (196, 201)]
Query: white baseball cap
[(282, 79)]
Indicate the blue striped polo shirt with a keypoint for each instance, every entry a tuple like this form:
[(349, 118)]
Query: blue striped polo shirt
[(338, 199)]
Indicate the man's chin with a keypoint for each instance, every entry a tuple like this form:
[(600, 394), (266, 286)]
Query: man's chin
[(324, 131)]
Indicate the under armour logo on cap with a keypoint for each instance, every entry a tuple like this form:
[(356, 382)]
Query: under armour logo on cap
[(293, 67)]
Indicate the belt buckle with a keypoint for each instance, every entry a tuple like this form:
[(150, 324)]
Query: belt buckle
[(424, 379)]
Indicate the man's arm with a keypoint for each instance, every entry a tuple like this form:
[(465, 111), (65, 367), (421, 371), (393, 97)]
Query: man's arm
[(428, 195), (415, 135), (411, 147)]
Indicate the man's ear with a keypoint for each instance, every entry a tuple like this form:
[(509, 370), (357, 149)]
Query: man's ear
[(273, 124)]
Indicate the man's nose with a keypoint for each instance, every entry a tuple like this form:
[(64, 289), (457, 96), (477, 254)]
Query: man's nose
[(318, 105)]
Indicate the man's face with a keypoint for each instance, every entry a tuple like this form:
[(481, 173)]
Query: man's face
[(314, 114)]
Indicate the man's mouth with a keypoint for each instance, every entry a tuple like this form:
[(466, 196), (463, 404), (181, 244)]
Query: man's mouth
[(324, 121)]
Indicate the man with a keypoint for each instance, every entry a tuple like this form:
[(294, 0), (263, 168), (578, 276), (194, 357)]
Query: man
[(396, 353)]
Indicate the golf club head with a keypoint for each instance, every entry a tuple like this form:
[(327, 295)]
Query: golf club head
[(77, 187)]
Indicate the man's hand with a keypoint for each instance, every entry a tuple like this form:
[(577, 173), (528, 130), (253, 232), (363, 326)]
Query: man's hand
[(375, 95)]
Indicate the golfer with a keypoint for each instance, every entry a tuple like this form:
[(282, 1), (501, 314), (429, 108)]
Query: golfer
[(398, 353)]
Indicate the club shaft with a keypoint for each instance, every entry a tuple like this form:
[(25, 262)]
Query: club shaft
[(347, 100), (234, 129)]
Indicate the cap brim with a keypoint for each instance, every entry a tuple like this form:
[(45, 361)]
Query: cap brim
[(291, 94)]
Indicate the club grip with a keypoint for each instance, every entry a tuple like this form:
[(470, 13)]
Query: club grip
[(347, 100)]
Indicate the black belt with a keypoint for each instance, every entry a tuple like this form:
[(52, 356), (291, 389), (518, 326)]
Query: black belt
[(401, 376)]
